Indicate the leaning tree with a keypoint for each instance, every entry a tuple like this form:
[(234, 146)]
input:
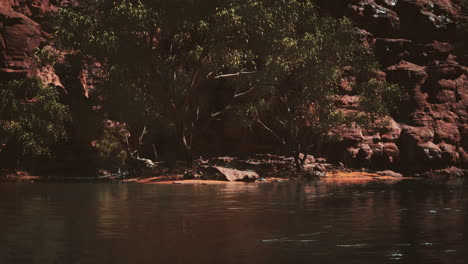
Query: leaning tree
[(298, 58)]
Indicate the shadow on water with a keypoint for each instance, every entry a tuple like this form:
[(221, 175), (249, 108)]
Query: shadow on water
[(317, 222)]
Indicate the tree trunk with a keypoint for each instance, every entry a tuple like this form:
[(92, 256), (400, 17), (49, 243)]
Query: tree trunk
[(298, 163), (187, 150)]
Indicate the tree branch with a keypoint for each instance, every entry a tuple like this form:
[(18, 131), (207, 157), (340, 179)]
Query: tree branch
[(234, 98), (194, 79), (233, 74), (143, 133), (281, 122), (215, 115), (280, 139)]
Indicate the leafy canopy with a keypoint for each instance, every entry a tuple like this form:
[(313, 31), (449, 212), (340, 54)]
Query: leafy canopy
[(300, 57), (156, 58), (159, 55), (31, 115)]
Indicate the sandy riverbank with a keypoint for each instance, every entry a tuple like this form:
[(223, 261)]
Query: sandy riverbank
[(344, 177)]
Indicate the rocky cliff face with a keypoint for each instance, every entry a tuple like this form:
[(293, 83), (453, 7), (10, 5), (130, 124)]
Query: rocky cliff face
[(414, 41), (23, 29), (19, 36)]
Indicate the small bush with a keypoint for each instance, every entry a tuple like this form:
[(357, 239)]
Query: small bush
[(46, 56)]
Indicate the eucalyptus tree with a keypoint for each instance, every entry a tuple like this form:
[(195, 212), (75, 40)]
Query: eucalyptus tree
[(32, 119), (158, 55), (299, 57)]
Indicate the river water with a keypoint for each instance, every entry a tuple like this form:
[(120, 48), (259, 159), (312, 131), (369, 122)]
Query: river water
[(412, 221)]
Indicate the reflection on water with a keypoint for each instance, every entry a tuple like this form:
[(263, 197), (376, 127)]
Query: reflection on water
[(407, 222)]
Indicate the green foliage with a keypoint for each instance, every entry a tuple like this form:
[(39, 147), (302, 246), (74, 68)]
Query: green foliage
[(378, 99), (155, 58), (46, 56), (300, 57), (32, 116), (80, 30), (108, 146), (158, 56), (119, 34)]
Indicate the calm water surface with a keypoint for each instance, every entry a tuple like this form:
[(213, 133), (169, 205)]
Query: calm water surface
[(408, 222)]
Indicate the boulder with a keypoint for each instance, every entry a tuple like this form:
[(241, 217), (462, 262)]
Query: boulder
[(389, 173), (392, 131), (227, 174), (447, 84), (406, 73), (429, 152), (445, 96), (449, 153), (321, 160), (351, 136), (365, 153), (437, 50), (417, 134), (450, 172), (391, 152), (351, 154), (309, 159), (40, 8)]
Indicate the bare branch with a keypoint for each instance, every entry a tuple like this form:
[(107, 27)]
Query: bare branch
[(234, 98), (281, 122), (219, 113), (280, 139), (233, 75), (143, 133), (238, 95), (194, 79)]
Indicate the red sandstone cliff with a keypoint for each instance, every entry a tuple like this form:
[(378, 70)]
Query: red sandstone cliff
[(414, 41)]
